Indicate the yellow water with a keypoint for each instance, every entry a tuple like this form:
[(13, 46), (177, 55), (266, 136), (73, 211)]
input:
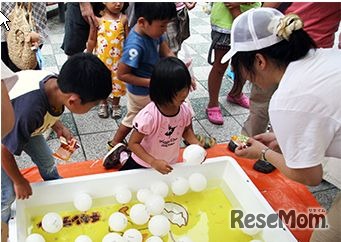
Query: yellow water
[(203, 217)]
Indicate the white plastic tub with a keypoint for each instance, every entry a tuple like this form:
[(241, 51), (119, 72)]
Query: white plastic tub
[(237, 186)]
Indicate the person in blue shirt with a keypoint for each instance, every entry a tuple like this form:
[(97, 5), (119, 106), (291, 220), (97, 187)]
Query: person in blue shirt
[(143, 48)]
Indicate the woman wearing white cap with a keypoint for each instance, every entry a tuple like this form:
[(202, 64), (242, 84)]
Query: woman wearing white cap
[(270, 49)]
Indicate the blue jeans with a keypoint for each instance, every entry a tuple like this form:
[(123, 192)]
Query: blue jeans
[(41, 155)]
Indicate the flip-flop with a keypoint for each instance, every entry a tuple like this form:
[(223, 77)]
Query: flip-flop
[(214, 115)]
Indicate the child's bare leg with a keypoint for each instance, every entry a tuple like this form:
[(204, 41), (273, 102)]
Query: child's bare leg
[(116, 108)]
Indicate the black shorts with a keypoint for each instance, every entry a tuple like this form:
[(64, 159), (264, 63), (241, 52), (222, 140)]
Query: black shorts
[(220, 41), (131, 164), (76, 30)]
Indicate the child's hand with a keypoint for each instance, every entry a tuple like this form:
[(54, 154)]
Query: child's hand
[(161, 166), (22, 189), (61, 130)]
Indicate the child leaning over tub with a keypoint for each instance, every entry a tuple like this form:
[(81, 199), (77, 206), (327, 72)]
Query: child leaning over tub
[(107, 40), (159, 127)]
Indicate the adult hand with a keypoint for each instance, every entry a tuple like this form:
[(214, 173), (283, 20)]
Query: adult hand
[(88, 13), (252, 150), (268, 139), (22, 189), (161, 166)]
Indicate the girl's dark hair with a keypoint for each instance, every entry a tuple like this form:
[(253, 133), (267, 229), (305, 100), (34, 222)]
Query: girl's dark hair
[(86, 75), (281, 53), (169, 77), (155, 11), (99, 7)]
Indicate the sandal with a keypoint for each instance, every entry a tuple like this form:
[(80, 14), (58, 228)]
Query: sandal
[(206, 141), (116, 112), (214, 115), (103, 111), (242, 101)]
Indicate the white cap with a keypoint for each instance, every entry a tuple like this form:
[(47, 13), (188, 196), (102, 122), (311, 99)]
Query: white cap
[(254, 29), (8, 76)]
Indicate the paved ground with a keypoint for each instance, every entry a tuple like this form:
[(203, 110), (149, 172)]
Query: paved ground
[(93, 132)]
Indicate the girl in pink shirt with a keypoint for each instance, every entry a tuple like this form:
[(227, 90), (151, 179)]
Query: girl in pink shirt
[(160, 126)]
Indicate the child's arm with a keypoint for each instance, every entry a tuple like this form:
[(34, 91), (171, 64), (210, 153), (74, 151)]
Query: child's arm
[(135, 146), (22, 187), (124, 74), (92, 39), (165, 51), (189, 136), (125, 25)]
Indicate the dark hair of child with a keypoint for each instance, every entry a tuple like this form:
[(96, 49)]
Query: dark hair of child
[(281, 53), (98, 9), (155, 11), (86, 75), (170, 76)]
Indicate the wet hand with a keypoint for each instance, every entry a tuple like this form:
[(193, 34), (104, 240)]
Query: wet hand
[(161, 166), (22, 189)]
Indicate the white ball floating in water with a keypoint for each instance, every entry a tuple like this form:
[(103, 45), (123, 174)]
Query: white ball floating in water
[(159, 225), (35, 238), (82, 202), (113, 237), (139, 214), (159, 188), (133, 235), (123, 195), (180, 186), (155, 204), (52, 222), (118, 221), (197, 182), (184, 239), (83, 238), (194, 154), (143, 194), (154, 239)]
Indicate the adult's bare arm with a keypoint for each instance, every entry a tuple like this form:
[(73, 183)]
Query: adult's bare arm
[(88, 13)]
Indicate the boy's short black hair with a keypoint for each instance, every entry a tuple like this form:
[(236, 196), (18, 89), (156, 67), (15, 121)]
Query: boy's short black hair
[(155, 11), (86, 75), (170, 76)]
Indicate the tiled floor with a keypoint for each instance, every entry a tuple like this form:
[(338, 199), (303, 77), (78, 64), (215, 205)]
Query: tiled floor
[(93, 132)]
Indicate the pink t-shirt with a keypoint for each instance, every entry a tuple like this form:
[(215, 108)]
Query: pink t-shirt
[(162, 133), (321, 20)]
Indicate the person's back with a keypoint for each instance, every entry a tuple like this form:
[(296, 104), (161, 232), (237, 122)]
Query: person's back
[(317, 93), (142, 50), (321, 20)]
